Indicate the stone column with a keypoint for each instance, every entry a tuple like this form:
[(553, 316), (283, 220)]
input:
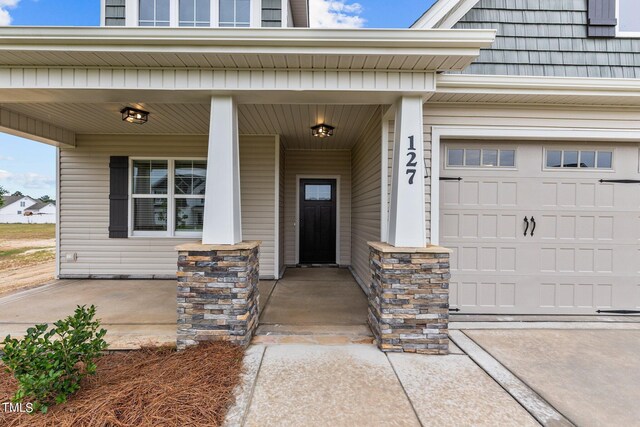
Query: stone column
[(409, 298), (217, 293)]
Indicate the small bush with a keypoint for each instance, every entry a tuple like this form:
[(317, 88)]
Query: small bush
[(49, 364)]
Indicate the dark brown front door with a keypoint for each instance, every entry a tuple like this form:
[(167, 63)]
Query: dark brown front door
[(318, 221)]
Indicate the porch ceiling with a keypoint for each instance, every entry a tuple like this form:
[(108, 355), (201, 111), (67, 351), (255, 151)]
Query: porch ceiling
[(292, 122)]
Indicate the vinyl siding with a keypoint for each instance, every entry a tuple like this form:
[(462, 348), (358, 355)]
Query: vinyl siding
[(258, 192), (281, 209), (318, 163), (524, 116), (366, 197), (548, 38), (84, 204)]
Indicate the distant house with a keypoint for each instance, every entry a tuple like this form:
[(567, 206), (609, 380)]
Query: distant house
[(26, 210)]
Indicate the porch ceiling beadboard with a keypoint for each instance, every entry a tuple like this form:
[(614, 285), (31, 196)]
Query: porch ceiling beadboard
[(292, 122)]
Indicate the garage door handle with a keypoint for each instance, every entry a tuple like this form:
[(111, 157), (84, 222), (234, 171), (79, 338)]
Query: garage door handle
[(533, 230), (526, 220)]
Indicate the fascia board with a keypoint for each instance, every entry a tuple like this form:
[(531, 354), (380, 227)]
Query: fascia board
[(465, 83), (75, 38)]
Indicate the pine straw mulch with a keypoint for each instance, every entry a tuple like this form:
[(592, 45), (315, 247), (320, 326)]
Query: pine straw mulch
[(150, 387)]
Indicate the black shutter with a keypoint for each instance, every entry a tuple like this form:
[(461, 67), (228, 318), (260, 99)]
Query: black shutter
[(602, 18), (118, 197)]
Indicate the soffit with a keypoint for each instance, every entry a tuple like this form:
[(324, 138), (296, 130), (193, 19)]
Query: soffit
[(292, 122), (213, 48), (456, 88)]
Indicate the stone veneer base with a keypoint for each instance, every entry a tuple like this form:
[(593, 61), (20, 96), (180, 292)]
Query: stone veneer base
[(217, 293), (409, 298)]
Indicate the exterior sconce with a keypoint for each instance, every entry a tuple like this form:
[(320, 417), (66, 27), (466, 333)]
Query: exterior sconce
[(133, 115), (322, 131)]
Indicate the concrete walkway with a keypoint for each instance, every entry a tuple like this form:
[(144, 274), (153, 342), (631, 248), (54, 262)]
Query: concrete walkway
[(357, 385)]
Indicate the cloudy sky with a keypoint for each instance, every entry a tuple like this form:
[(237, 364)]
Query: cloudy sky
[(30, 166)]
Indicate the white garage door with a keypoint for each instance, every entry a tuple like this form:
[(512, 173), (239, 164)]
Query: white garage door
[(581, 251)]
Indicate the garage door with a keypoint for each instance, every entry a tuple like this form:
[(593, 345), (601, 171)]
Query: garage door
[(542, 228)]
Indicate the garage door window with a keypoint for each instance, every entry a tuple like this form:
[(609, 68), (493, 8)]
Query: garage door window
[(574, 159), (481, 158)]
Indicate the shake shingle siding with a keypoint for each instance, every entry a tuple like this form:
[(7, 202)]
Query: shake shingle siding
[(548, 38)]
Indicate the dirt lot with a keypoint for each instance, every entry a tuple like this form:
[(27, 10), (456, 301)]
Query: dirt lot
[(27, 255)]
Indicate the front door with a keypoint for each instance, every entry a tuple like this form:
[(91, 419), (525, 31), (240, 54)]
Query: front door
[(318, 221)]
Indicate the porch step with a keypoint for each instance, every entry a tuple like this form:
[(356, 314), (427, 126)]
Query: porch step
[(313, 334)]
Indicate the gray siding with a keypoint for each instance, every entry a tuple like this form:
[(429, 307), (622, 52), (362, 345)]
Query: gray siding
[(366, 196), (548, 38), (114, 13), (84, 204)]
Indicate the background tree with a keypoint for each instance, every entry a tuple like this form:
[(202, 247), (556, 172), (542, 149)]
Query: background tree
[(47, 199), (17, 193), (2, 193)]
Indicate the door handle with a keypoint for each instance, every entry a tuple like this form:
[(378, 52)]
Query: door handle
[(533, 221), (526, 220)]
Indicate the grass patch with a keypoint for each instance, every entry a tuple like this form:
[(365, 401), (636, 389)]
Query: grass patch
[(150, 387), (16, 258), (27, 231)]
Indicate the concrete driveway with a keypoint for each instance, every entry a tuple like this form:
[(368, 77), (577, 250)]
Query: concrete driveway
[(592, 377)]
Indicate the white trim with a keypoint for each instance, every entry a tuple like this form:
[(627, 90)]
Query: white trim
[(171, 232), (58, 175), (444, 14), (527, 85), (507, 133), (276, 226), (103, 15), (384, 181), (338, 212), (285, 14), (624, 34)]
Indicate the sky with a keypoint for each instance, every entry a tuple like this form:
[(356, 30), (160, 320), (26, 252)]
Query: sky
[(29, 167)]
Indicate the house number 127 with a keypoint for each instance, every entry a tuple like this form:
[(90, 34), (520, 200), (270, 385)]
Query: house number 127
[(412, 163)]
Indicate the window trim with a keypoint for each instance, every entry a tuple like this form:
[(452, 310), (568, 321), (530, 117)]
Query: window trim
[(171, 232), (579, 149), (624, 34), (481, 167)]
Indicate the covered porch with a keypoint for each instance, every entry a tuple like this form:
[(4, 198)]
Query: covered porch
[(232, 112), (307, 305)]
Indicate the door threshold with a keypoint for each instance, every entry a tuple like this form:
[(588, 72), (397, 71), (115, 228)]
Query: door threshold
[(318, 266)]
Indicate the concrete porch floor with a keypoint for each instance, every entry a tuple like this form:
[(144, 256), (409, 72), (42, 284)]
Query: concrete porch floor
[(305, 303)]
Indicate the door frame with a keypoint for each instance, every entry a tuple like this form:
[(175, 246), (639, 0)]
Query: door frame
[(299, 178)]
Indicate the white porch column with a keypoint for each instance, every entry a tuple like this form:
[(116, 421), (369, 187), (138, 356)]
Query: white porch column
[(407, 225), (222, 219)]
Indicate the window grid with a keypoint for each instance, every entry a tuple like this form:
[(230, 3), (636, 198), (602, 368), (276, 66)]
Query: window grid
[(238, 21), (171, 201), (200, 16), (156, 8), (481, 158), (579, 159)]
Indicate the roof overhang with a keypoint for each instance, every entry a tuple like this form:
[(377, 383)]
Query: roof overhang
[(537, 90), (214, 48), (444, 14)]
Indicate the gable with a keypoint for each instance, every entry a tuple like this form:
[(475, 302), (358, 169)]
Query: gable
[(547, 38)]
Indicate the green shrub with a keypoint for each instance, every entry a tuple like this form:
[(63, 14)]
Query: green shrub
[(49, 364)]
